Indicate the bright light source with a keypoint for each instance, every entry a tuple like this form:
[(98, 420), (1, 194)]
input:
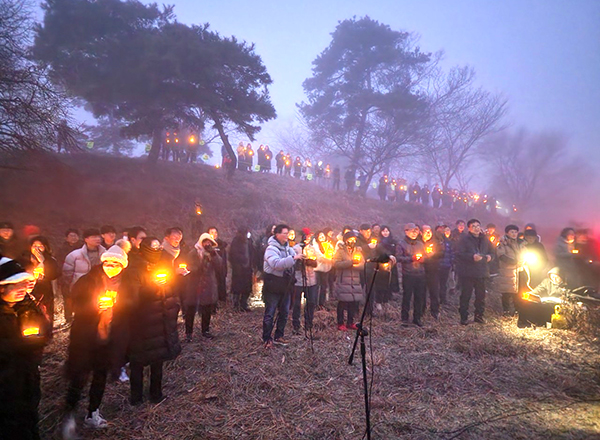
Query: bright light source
[(530, 259)]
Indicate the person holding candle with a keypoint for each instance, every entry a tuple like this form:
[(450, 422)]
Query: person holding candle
[(153, 319), (23, 335), (241, 256), (411, 254), (96, 296), (349, 263), (324, 251), (201, 292), (306, 283), (434, 251)]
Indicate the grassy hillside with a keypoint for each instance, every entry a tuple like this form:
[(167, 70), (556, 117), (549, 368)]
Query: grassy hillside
[(56, 192)]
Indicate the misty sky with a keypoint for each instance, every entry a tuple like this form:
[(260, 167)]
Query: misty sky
[(543, 55)]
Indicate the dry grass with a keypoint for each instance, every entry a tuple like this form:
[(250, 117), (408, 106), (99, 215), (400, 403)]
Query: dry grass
[(441, 382)]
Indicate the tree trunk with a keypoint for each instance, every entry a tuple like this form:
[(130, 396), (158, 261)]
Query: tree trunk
[(228, 147), (156, 143)]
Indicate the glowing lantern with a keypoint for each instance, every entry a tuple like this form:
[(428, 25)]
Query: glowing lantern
[(31, 331), (192, 139), (168, 141), (386, 266), (373, 241), (161, 277), (530, 258), (429, 249), (575, 251), (356, 258), (176, 140), (525, 295)]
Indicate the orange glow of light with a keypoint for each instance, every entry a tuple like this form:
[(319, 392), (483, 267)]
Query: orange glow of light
[(161, 277), (183, 266), (429, 249), (419, 257), (525, 295), (373, 241), (168, 141), (492, 238), (176, 140), (31, 331), (38, 272), (192, 139), (386, 266), (107, 300), (575, 251), (356, 258)]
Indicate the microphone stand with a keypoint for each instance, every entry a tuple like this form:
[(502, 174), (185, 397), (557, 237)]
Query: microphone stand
[(362, 332)]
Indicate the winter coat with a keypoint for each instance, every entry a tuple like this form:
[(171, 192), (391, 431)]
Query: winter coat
[(466, 248), (306, 267), (548, 288), (85, 339), (279, 259), (538, 271), (405, 252), (241, 256), (565, 260), (77, 264), (43, 291), (201, 283), (12, 248), (448, 256), (388, 245), (509, 255), (20, 357), (348, 287), (434, 253), (153, 316)]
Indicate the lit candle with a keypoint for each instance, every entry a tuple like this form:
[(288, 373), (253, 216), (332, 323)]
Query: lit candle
[(38, 272), (107, 300), (429, 249), (161, 277), (575, 251), (418, 256), (183, 266)]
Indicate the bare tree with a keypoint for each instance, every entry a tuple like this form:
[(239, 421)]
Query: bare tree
[(31, 109), (461, 116), (533, 170)]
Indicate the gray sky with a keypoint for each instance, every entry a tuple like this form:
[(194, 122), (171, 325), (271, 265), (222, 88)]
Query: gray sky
[(544, 55)]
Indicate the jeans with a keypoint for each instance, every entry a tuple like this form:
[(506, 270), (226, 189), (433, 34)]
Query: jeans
[(205, 313), (414, 287), (136, 379), (322, 284), (310, 293), (467, 286), (275, 302), (349, 306)]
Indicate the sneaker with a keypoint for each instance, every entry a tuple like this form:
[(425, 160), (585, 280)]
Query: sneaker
[(268, 344), (96, 421), (479, 320), (124, 377), (342, 328), (69, 427), (207, 335), (281, 341)]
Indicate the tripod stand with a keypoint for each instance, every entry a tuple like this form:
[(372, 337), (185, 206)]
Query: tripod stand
[(361, 332)]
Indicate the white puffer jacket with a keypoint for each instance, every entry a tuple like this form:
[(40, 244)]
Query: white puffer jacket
[(77, 264)]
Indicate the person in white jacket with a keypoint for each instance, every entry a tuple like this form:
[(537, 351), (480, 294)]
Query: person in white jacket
[(80, 261)]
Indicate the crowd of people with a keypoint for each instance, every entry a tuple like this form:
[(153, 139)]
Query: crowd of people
[(390, 189), (122, 293)]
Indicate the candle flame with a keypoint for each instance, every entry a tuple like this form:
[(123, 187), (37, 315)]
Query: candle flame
[(31, 331)]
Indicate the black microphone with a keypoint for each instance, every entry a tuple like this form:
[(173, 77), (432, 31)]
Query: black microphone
[(383, 258)]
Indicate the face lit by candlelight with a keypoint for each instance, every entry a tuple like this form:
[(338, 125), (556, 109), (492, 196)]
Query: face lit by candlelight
[(385, 232), (427, 233), (112, 268)]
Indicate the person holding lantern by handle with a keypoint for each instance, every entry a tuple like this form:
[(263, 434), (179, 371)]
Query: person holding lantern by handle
[(96, 295), (23, 335)]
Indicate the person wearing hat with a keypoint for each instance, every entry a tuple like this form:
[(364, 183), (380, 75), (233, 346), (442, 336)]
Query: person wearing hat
[(23, 335), (80, 261), (349, 263), (201, 292), (152, 316), (96, 296), (10, 246), (411, 254), (509, 253)]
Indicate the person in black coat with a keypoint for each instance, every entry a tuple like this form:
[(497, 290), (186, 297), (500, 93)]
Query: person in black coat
[(201, 288), (152, 318), (39, 261), (221, 250), (23, 335), (241, 255), (473, 254), (95, 295)]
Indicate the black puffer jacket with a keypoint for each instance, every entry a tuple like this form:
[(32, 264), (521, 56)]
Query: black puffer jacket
[(20, 357), (153, 318), (467, 247), (201, 283), (84, 340), (241, 255)]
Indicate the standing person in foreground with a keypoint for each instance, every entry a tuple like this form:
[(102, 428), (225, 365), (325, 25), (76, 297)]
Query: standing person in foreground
[(306, 284), (23, 336), (509, 254), (473, 253), (411, 254), (241, 256), (278, 280), (154, 338), (349, 263)]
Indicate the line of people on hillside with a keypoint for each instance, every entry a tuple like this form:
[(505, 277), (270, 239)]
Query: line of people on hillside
[(122, 296)]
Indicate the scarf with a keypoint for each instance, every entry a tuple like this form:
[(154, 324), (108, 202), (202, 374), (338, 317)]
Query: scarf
[(173, 251)]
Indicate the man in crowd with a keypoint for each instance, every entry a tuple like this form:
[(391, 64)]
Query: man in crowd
[(80, 261), (222, 271), (411, 254), (473, 254), (109, 236), (278, 270)]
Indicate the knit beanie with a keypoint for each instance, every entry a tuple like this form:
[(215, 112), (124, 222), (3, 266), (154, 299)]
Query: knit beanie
[(511, 228), (11, 272), (116, 254)]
